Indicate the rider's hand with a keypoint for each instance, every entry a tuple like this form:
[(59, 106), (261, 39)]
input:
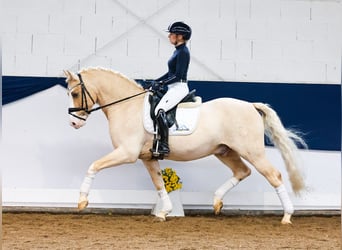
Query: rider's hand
[(146, 84), (156, 86)]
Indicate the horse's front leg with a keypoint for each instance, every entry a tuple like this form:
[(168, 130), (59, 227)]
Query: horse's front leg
[(157, 179), (117, 157)]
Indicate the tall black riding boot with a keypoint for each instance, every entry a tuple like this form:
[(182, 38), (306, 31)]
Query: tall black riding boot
[(161, 146), (164, 132)]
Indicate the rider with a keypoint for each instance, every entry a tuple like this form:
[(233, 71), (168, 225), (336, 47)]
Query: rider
[(175, 79)]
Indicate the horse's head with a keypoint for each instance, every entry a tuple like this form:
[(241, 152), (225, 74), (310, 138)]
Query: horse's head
[(81, 100)]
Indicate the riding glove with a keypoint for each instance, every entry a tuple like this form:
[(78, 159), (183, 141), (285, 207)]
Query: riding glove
[(156, 86)]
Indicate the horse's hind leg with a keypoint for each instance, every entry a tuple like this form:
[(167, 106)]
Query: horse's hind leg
[(240, 172), (274, 177)]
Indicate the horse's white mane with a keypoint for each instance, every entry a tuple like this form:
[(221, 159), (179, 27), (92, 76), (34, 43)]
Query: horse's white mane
[(110, 71)]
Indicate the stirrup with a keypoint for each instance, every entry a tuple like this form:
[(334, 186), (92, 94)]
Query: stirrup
[(157, 155), (158, 151)]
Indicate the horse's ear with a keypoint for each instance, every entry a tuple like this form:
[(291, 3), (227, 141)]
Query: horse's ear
[(70, 75)]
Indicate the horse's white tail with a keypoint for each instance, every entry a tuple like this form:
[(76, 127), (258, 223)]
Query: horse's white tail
[(285, 140)]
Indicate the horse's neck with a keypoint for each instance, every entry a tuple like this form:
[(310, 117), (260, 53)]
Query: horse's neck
[(114, 88)]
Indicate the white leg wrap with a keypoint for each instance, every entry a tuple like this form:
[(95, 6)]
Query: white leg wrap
[(221, 191), (166, 202), (86, 184), (285, 199)]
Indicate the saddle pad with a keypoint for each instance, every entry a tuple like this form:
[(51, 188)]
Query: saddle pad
[(186, 116)]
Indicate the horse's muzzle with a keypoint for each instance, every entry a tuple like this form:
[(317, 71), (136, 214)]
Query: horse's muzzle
[(77, 122)]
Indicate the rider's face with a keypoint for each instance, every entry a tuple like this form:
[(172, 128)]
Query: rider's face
[(175, 39)]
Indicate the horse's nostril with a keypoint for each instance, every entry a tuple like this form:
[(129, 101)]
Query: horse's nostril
[(73, 123)]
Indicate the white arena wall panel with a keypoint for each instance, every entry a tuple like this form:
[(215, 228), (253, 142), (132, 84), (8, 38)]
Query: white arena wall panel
[(276, 41), (44, 160)]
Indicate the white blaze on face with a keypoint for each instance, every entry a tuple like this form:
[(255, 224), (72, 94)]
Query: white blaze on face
[(74, 121)]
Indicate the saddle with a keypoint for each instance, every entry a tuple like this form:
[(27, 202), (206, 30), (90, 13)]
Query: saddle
[(171, 114)]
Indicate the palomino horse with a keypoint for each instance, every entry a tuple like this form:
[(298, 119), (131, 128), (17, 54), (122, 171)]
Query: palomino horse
[(228, 128)]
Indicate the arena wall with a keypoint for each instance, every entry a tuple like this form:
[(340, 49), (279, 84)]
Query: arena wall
[(265, 40), (283, 52)]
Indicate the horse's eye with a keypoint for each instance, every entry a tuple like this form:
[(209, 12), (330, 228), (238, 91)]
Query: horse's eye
[(74, 95)]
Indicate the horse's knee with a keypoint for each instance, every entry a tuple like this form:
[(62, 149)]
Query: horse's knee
[(131, 159), (243, 173)]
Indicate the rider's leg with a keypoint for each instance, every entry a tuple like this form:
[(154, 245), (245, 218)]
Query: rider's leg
[(176, 92), (163, 128)]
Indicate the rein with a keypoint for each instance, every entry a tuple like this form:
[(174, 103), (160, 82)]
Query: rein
[(85, 92)]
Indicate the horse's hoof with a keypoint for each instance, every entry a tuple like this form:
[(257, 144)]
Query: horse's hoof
[(82, 205), (286, 219), (286, 222), (218, 204), (159, 219), (161, 216)]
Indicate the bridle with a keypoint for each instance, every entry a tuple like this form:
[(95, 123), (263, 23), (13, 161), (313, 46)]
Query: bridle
[(84, 103)]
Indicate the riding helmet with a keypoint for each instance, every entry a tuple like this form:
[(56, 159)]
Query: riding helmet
[(180, 28)]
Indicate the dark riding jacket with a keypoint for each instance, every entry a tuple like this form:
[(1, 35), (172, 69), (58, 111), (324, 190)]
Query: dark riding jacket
[(178, 66)]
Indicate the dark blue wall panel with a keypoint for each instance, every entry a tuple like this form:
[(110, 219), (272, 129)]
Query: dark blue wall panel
[(313, 109), (17, 87)]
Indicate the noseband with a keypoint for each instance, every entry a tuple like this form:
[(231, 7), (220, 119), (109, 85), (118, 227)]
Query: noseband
[(84, 103)]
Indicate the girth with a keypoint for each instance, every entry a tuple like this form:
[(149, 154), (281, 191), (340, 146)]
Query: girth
[(171, 114)]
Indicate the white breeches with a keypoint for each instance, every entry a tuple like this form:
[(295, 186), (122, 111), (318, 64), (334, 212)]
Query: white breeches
[(176, 92)]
